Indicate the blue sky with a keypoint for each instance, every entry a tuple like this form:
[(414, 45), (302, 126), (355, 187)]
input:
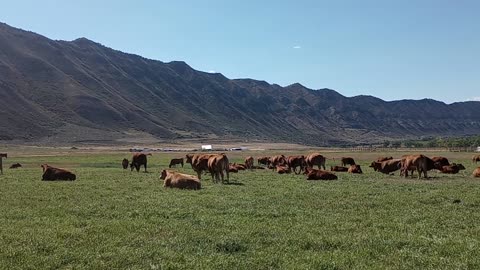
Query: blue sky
[(408, 49)]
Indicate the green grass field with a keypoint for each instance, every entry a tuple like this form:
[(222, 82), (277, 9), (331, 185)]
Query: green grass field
[(110, 218)]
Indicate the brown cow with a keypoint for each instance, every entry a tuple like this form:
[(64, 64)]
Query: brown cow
[(278, 160), (296, 161), (179, 180), (476, 172), (338, 169), (249, 162), (125, 163), (347, 161), (217, 165), (15, 165), (138, 160), (263, 160), (440, 162), (232, 168), (258, 167), (476, 158), (199, 162), (387, 166), (50, 174), (355, 169), (422, 163), (315, 159), (239, 167), (452, 169), (321, 175), (382, 159), (283, 169), (175, 161)]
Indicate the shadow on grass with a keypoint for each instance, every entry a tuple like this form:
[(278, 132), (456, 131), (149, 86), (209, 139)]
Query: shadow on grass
[(234, 184)]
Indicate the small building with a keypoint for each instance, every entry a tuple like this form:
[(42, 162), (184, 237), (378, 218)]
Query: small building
[(207, 147), (478, 149)]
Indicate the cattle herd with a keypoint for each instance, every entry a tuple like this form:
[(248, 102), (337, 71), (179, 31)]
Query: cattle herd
[(219, 167)]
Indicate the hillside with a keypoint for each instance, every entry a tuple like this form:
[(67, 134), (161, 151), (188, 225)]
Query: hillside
[(82, 91)]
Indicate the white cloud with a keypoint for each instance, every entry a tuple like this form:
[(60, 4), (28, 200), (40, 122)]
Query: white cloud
[(297, 47), (474, 99)]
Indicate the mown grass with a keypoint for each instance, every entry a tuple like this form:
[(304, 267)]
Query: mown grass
[(110, 218)]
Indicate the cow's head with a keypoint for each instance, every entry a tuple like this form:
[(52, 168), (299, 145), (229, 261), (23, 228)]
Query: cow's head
[(44, 167), (189, 158), (163, 174)]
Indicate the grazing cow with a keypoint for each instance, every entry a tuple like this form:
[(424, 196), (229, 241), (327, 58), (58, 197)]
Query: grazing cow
[(15, 165), (199, 162), (387, 166), (476, 172), (355, 169), (125, 163), (138, 160), (2, 155), (382, 159), (278, 160), (338, 169), (175, 161), (320, 175), (440, 162), (452, 169), (315, 159), (249, 163), (422, 163), (51, 174), (296, 161), (217, 165), (347, 161), (179, 180), (263, 160), (476, 158), (283, 169)]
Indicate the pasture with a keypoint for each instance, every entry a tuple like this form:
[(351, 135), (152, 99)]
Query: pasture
[(112, 218)]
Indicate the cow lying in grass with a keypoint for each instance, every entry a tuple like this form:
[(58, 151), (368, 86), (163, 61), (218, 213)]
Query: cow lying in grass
[(476, 172), (15, 165), (355, 169), (387, 166), (179, 180), (313, 174), (51, 174), (452, 169)]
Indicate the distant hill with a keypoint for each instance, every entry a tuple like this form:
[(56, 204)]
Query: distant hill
[(80, 91)]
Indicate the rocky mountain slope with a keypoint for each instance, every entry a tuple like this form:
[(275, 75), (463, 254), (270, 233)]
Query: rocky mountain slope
[(78, 91)]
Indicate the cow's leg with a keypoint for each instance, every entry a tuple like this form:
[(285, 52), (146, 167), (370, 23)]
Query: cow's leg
[(145, 165), (199, 174)]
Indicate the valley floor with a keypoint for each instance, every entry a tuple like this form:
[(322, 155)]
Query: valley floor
[(112, 218)]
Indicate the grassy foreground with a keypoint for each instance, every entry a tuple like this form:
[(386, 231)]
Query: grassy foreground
[(110, 218)]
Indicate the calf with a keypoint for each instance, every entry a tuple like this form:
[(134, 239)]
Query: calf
[(347, 161), (125, 163), (179, 180), (355, 169), (315, 159), (15, 165), (175, 161), (321, 175), (217, 165), (50, 174)]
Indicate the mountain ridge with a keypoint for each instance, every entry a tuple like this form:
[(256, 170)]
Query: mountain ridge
[(98, 93)]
